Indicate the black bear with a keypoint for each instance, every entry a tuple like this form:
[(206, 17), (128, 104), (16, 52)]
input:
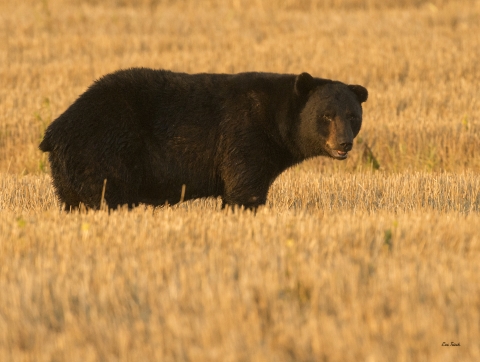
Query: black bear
[(157, 136)]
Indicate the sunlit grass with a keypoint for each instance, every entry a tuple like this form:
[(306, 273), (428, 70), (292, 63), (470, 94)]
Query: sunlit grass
[(374, 258)]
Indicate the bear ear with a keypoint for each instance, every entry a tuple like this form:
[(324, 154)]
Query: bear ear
[(303, 83), (360, 92)]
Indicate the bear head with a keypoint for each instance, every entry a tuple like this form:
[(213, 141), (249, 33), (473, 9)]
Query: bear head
[(330, 116)]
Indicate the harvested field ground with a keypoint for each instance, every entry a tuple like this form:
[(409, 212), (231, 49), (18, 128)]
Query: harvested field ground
[(371, 259)]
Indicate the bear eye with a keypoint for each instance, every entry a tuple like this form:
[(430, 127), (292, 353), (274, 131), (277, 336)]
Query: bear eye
[(327, 117)]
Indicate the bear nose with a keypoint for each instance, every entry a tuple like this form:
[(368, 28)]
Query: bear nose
[(346, 146)]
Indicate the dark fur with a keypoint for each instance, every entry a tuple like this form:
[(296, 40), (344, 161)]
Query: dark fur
[(148, 132)]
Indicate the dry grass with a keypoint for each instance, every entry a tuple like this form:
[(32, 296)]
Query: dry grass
[(371, 259), (378, 267), (419, 63)]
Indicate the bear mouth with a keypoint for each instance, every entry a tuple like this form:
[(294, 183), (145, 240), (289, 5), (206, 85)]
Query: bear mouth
[(339, 155)]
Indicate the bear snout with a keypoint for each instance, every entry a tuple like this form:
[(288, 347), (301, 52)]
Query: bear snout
[(341, 145), (345, 146), (339, 149)]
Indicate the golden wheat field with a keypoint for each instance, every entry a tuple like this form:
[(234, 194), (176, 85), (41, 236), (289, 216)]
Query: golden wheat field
[(373, 259)]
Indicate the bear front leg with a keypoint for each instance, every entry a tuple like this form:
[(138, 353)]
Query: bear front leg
[(245, 189), (250, 163)]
